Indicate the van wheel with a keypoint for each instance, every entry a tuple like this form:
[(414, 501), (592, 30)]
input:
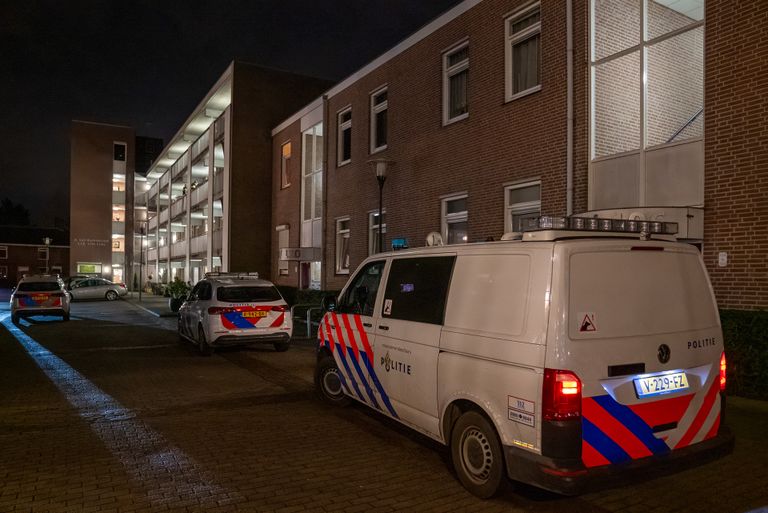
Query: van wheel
[(328, 382), (111, 295), (476, 454), (202, 344)]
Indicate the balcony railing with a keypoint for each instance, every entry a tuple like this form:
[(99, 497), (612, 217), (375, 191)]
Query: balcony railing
[(199, 245), (200, 194), (179, 249), (151, 255), (118, 227), (164, 216), (218, 183), (118, 258), (177, 207), (217, 239), (118, 197), (163, 253), (152, 224)]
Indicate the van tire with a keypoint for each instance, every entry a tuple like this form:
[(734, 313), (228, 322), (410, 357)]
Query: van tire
[(477, 455), (328, 382)]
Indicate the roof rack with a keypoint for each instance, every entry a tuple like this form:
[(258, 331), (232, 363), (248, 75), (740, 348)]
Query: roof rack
[(239, 276)]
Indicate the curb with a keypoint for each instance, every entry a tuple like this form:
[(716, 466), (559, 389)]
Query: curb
[(152, 312)]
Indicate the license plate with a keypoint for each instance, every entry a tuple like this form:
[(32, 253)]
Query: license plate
[(253, 314), (661, 384), (39, 298)]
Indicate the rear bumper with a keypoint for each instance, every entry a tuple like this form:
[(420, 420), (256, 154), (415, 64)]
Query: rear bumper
[(571, 477), (30, 312), (241, 340)]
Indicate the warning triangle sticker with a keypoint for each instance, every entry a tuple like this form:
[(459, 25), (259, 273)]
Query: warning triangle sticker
[(588, 324)]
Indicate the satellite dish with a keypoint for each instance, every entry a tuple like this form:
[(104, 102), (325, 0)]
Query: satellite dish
[(434, 239)]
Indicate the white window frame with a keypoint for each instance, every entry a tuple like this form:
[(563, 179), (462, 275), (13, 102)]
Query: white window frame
[(283, 266), (342, 267), (375, 110), (512, 39), (341, 128), (284, 181), (373, 230), (447, 219), (448, 73), (3, 252), (526, 207), (44, 252)]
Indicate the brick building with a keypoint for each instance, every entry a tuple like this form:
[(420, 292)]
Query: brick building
[(503, 109), (23, 250)]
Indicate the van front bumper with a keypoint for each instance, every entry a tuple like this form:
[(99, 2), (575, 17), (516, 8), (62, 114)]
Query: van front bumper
[(571, 477)]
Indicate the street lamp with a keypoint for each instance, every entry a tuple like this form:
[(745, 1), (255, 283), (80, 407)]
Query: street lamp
[(381, 166), (141, 258), (47, 241)]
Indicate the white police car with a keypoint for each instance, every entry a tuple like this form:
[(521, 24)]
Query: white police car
[(39, 294), (231, 309)]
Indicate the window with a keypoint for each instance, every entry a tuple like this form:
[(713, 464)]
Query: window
[(373, 231), (248, 294), (454, 219), (285, 172), (312, 169), (119, 152), (379, 104), (522, 202), (3, 252), (283, 238), (523, 52), (456, 84), (344, 137), (342, 246), (417, 289), (56, 269), (3, 271), (42, 253), (360, 296)]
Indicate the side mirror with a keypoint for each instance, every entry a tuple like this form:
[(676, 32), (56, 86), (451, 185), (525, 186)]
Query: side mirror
[(328, 303)]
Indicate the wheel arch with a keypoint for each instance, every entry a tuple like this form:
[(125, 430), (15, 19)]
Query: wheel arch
[(457, 407)]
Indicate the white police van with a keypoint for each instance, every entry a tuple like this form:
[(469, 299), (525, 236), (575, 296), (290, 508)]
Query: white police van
[(581, 352)]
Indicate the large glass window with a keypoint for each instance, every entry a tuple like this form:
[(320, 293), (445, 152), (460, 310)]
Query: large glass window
[(455, 219), (417, 289), (647, 66), (312, 169), (360, 296), (379, 107), (456, 83), (285, 172), (522, 202), (523, 51)]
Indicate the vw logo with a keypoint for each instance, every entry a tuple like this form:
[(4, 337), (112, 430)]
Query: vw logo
[(664, 353)]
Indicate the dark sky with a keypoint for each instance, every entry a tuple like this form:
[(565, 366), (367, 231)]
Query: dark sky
[(148, 63)]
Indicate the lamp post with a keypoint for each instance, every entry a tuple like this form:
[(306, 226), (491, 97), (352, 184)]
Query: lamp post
[(47, 242), (141, 258), (381, 166)]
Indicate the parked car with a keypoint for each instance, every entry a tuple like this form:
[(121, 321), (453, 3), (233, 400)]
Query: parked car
[(96, 288), (230, 309), (40, 294), (561, 359)]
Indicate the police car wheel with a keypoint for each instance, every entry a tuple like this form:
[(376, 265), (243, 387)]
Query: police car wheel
[(65, 317), (328, 382), (202, 344), (281, 346), (477, 455), (14, 319)]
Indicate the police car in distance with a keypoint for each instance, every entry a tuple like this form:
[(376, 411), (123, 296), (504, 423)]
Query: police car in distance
[(39, 294), (562, 357), (230, 309)]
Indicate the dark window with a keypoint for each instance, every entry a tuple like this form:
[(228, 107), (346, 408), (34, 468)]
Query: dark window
[(119, 150), (248, 294), (361, 294), (346, 144), (206, 292), (381, 129), (417, 289), (195, 294), (39, 286)]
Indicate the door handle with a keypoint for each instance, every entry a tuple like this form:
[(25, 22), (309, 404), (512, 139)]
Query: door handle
[(382, 327), (368, 325)]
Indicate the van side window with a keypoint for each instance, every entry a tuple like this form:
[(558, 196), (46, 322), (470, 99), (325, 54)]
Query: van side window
[(361, 295), (417, 289)]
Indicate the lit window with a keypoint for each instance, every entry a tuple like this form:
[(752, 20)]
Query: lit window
[(454, 219), (342, 246), (521, 202), (285, 173), (456, 84), (373, 231), (379, 105), (344, 137), (523, 52)]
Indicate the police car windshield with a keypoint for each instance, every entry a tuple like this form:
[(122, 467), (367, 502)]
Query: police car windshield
[(39, 286), (248, 294)]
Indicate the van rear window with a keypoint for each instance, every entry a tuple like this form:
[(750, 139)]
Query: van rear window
[(248, 294), (632, 293), (39, 286)]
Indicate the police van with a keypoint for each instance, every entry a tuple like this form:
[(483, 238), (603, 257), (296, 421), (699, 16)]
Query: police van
[(579, 352)]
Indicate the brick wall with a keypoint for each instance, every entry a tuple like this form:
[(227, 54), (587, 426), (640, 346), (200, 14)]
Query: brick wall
[(27, 256), (736, 152)]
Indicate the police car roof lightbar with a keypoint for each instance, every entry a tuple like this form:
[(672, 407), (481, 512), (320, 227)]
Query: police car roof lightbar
[(597, 224), (218, 274)]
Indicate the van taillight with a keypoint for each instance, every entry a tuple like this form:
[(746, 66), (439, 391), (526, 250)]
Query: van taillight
[(722, 372), (562, 395)]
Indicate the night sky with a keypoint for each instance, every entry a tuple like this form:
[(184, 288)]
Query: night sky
[(148, 63)]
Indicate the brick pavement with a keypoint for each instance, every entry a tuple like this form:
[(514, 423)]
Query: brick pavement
[(125, 418)]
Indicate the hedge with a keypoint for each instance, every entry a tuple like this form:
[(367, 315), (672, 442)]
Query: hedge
[(746, 350)]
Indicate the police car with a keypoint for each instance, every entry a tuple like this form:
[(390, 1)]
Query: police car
[(229, 309), (571, 354), (39, 294)]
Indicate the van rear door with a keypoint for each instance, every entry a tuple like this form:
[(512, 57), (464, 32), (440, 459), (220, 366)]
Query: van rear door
[(643, 334)]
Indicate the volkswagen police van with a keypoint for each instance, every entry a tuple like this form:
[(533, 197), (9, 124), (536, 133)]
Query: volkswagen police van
[(582, 351)]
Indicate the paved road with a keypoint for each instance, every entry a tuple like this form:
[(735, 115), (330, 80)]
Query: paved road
[(109, 412)]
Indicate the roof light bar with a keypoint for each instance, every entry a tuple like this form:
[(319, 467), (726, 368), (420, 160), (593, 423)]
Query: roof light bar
[(598, 224)]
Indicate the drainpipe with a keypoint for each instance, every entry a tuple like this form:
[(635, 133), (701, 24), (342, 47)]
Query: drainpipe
[(569, 108), (324, 210)]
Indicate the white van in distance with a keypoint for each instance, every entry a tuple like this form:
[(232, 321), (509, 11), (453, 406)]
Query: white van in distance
[(585, 351)]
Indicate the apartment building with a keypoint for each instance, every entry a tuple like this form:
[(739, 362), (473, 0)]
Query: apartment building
[(206, 203), (500, 110), (32, 250)]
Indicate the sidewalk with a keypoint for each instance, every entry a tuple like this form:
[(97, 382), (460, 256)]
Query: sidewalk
[(155, 305)]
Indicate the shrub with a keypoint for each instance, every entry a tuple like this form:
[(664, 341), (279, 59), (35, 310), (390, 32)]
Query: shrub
[(746, 348)]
